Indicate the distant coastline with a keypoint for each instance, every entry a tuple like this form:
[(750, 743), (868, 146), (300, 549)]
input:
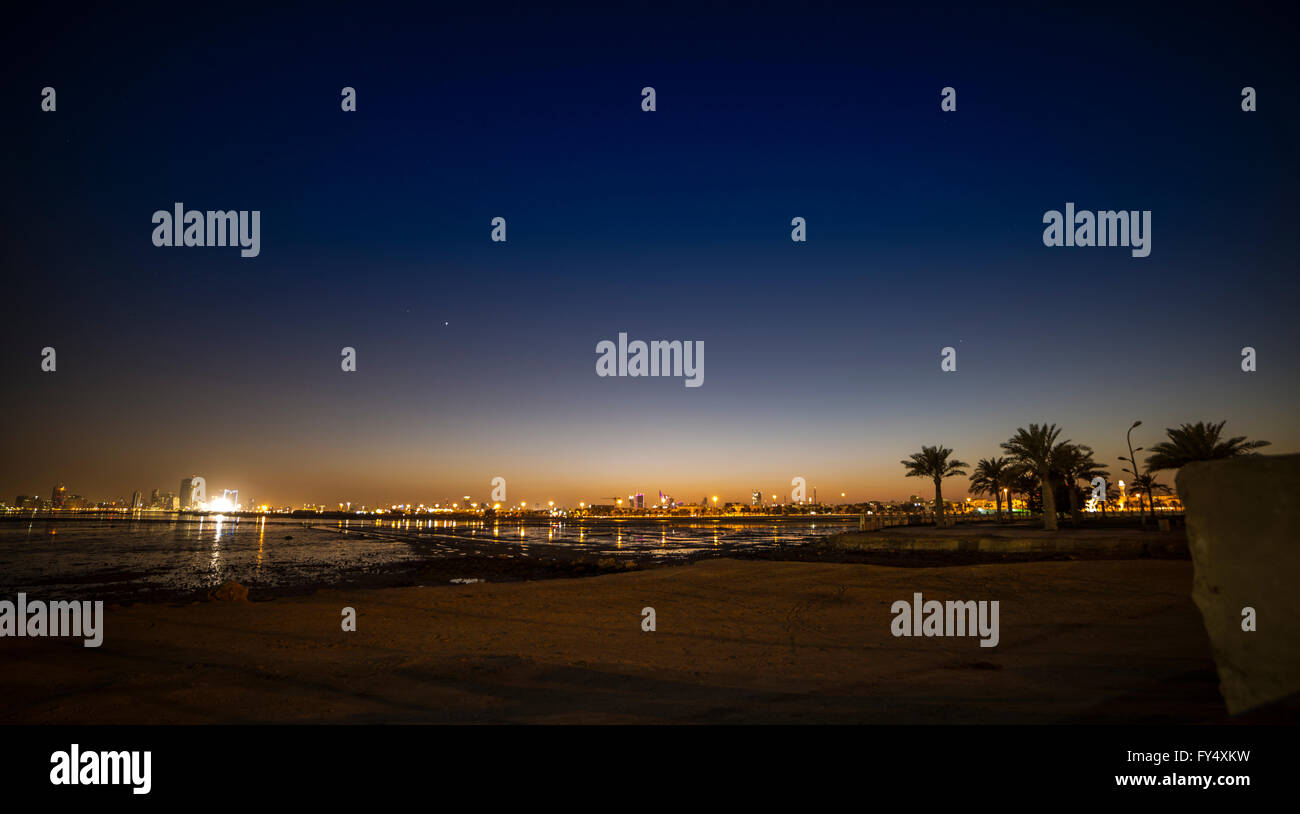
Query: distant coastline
[(100, 515)]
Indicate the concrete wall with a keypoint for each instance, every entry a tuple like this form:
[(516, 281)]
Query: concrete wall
[(1243, 529)]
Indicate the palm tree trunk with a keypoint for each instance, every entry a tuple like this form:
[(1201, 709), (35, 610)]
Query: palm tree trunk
[(1074, 505), (997, 496), (938, 501), (1049, 502)]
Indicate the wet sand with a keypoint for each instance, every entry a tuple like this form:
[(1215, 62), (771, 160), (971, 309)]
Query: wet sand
[(736, 641)]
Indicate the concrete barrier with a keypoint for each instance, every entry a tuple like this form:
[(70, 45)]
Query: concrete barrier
[(1243, 529), (1096, 544)]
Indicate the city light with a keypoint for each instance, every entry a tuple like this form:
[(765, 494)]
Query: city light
[(227, 502), (219, 504)]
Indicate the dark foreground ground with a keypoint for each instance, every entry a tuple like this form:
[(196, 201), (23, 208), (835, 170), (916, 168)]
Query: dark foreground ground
[(1112, 641)]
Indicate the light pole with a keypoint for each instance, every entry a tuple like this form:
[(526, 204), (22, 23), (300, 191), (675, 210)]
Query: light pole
[(1132, 459)]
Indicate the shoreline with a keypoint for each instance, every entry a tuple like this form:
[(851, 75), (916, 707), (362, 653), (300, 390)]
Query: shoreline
[(897, 547), (323, 517)]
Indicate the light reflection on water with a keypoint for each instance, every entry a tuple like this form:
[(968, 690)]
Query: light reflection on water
[(120, 556), (640, 537)]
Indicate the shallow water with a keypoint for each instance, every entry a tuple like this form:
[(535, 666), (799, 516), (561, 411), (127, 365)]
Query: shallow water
[(115, 559)]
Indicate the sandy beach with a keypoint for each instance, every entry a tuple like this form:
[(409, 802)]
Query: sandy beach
[(736, 641)]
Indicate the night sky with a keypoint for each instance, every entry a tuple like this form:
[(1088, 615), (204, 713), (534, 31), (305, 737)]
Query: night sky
[(477, 359)]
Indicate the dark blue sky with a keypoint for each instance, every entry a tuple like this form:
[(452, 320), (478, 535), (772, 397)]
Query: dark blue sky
[(822, 359)]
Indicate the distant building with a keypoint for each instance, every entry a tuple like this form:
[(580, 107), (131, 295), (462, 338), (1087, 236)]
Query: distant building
[(756, 499), (187, 492), (57, 496), (638, 501), (137, 500)]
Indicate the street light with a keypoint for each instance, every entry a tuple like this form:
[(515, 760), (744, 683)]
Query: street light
[(1132, 459)]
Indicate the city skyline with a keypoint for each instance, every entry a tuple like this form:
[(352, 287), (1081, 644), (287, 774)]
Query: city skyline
[(956, 488)]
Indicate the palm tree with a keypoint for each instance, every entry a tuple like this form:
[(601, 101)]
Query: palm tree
[(1034, 448), (1147, 482), (1074, 463), (1021, 481), (990, 476), (1198, 442), (933, 463)]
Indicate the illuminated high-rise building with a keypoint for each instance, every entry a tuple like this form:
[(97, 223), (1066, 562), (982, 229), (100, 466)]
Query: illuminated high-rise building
[(187, 493)]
